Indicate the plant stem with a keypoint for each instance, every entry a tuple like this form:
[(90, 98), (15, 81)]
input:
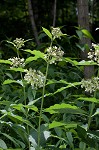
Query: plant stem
[(42, 102), (91, 112)]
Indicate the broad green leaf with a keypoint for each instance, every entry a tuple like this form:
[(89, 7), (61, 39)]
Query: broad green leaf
[(34, 108), (89, 99), (18, 69), (81, 63), (87, 34), (55, 124), (21, 106), (9, 81), (73, 62), (29, 59), (64, 108), (47, 32), (55, 81), (86, 63), (37, 54), (3, 144), (5, 61)]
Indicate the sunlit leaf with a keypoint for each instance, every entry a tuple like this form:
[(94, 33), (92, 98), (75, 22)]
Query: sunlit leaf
[(17, 69), (87, 34), (37, 54), (47, 32), (89, 99), (64, 108), (9, 81), (5, 61)]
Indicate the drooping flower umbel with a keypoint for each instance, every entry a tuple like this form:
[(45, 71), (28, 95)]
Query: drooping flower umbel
[(35, 78), (19, 42), (54, 54), (17, 62), (56, 32), (91, 85), (94, 55)]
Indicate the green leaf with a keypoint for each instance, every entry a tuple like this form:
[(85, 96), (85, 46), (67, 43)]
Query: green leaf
[(9, 81), (86, 63), (87, 34), (64, 108), (5, 61), (34, 108), (55, 124), (47, 32), (3, 144), (21, 106), (18, 69), (89, 99), (37, 54)]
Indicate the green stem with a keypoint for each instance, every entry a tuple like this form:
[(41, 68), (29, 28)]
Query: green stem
[(91, 112), (25, 104), (42, 102)]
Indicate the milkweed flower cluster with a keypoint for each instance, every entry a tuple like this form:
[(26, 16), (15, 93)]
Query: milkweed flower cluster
[(90, 85), (17, 62), (94, 55), (19, 42), (35, 78), (54, 53), (56, 32)]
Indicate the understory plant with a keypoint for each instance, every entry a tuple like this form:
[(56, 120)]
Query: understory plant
[(43, 105)]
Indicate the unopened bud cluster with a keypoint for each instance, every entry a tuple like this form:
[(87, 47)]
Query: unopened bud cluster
[(17, 62), (19, 42), (94, 55), (56, 32), (54, 53), (90, 85), (35, 78)]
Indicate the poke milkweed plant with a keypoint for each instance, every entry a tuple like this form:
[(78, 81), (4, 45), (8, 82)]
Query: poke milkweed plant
[(32, 126)]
